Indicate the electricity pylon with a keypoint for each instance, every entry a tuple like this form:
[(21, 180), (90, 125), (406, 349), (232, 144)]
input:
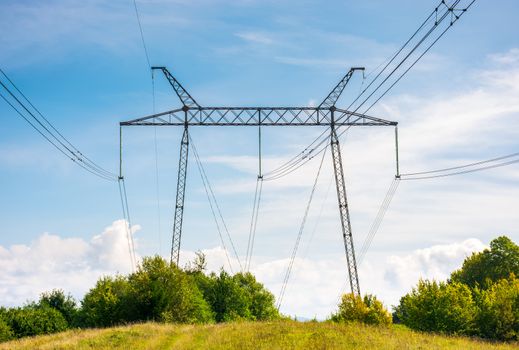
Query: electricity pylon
[(326, 114)]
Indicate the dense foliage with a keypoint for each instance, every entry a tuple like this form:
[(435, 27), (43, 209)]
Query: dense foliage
[(367, 310), (491, 265), (157, 291), (438, 306), (481, 298), (31, 320)]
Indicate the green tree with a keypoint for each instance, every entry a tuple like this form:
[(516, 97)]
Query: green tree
[(262, 301), (238, 297), (65, 304), (439, 307), (104, 305), (491, 265), (31, 320), (6, 333), (498, 314), (228, 301), (161, 291), (367, 310)]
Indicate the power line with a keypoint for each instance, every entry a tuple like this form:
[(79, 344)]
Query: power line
[(463, 166), (299, 235), (127, 222), (254, 222), (97, 167), (142, 33), (51, 134), (375, 225), (212, 210), (299, 160), (210, 194), (410, 178), (51, 137), (317, 221)]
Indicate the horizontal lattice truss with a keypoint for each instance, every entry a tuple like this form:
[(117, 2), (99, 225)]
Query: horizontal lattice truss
[(242, 116)]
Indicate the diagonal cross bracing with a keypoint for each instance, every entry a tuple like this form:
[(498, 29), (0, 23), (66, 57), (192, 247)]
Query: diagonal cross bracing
[(254, 116), (326, 114)]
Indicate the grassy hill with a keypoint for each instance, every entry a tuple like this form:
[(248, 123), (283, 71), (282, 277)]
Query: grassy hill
[(250, 335)]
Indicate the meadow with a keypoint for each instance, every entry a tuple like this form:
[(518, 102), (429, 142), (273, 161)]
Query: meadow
[(252, 335)]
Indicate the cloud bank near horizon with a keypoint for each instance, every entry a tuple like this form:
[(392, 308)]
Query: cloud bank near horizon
[(74, 264)]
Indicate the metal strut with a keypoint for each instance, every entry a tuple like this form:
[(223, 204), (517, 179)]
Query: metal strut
[(343, 211), (179, 203)]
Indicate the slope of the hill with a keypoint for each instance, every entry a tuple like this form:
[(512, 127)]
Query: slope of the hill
[(250, 335)]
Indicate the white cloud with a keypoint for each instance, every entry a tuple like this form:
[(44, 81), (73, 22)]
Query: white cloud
[(256, 37), (72, 264), (436, 262), (510, 57), (451, 216)]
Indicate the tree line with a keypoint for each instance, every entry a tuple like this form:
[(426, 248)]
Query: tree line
[(479, 299), (157, 291)]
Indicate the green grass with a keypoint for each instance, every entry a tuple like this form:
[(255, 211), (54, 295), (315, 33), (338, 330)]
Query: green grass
[(251, 335)]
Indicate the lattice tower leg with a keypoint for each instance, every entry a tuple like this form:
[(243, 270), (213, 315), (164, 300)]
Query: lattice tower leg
[(179, 203), (344, 212)]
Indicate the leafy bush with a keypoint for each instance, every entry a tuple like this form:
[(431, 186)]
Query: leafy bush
[(238, 297), (491, 265), (439, 307), (31, 320), (65, 304), (161, 291), (157, 291), (498, 314), (104, 305), (261, 301), (367, 310), (6, 333)]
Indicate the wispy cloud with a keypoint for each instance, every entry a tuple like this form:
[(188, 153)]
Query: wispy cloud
[(256, 37)]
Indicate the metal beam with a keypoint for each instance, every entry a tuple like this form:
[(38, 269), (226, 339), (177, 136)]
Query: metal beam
[(344, 211), (254, 116), (334, 95), (326, 114), (179, 202), (184, 96)]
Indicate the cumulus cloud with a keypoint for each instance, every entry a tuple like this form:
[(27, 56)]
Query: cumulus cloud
[(72, 264), (436, 262)]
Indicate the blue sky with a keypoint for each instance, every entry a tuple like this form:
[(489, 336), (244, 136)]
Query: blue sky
[(82, 64)]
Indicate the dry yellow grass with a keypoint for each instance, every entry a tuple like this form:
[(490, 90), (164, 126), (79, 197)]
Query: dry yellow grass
[(250, 335)]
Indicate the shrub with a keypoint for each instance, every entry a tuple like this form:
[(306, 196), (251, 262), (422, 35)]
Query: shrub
[(261, 301), (238, 297), (104, 305), (65, 304), (491, 265), (228, 301), (30, 320), (439, 307), (498, 314), (6, 333), (161, 291), (367, 310)]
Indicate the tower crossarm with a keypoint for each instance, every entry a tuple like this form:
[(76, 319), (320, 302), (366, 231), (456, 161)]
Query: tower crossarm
[(254, 116), (334, 95), (184, 96)]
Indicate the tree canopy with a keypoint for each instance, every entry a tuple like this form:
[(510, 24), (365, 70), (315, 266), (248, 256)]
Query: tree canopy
[(489, 266)]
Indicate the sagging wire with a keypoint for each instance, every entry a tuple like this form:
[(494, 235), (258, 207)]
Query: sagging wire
[(299, 235), (212, 199)]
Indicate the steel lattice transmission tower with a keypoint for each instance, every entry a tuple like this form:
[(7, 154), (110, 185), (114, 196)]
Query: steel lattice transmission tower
[(326, 114)]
